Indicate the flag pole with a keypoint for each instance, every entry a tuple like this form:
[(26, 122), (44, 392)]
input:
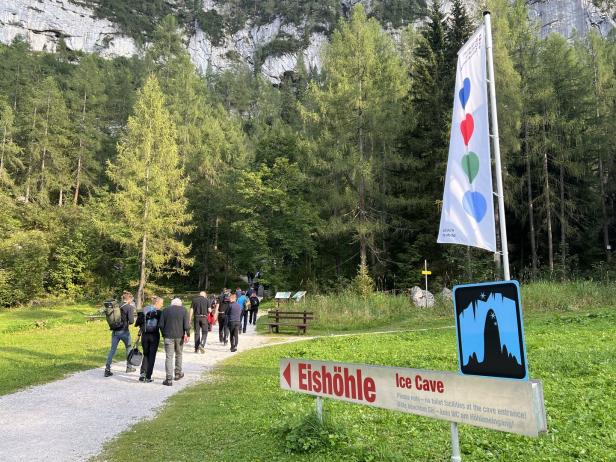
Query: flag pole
[(496, 145)]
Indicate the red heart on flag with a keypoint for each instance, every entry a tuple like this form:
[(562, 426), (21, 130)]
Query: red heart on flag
[(466, 127)]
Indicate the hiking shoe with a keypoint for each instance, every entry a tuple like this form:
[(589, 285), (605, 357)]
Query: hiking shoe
[(148, 380), (179, 376), (233, 350), (167, 382), (130, 369), (142, 379), (202, 350), (108, 373)]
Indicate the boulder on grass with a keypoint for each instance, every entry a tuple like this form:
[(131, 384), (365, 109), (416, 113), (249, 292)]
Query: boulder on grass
[(422, 298), (446, 294)]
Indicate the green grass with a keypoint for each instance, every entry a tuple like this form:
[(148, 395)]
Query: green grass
[(347, 312), (41, 344), (44, 343), (243, 414)]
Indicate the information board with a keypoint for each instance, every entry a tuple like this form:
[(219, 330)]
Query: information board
[(282, 295), (499, 404), (489, 330), (299, 295)]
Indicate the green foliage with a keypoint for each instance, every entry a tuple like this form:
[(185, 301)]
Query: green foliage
[(148, 209), (23, 261), (43, 343), (309, 434), (363, 282)]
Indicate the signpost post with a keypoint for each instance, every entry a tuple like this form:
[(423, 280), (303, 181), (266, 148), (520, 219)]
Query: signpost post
[(426, 273)]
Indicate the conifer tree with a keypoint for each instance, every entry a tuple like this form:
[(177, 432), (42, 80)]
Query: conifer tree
[(149, 190), (357, 111), (9, 151)]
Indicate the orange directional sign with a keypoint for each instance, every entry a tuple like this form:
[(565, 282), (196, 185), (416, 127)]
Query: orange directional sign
[(512, 406)]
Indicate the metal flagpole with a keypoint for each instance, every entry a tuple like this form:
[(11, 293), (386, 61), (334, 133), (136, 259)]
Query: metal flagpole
[(496, 145)]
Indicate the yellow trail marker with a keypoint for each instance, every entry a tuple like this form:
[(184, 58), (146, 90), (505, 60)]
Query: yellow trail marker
[(426, 273)]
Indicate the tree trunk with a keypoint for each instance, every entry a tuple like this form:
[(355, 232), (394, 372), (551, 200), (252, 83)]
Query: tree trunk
[(563, 222), (42, 184), (142, 272), (77, 179), (216, 226), (61, 198), (2, 156), (30, 160), (78, 174), (604, 215), (531, 210), (548, 206), (363, 252), (144, 244)]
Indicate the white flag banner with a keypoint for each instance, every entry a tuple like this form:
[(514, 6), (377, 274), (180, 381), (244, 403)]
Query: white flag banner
[(468, 211)]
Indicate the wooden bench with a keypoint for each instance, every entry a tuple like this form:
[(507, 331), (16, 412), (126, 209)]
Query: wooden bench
[(297, 319)]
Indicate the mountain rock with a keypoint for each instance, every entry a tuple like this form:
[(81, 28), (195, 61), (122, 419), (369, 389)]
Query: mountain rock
[(44, 23)]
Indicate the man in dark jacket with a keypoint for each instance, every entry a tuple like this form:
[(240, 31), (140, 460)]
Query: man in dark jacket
[(127, 309), (175, 326), (254, 308), (223, 327), (199, 309), (234, 316), (149, 323)]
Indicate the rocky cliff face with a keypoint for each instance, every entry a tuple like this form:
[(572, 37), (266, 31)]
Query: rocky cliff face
[(568, 17), (44, 22)]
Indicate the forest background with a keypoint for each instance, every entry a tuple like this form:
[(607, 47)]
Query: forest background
[(142, 173)]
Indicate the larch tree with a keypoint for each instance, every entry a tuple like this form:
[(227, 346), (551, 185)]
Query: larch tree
[(149, 202), (358, 112)]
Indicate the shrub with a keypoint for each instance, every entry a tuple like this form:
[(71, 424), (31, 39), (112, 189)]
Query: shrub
[(363, 282), (309, 434), (23, 262)]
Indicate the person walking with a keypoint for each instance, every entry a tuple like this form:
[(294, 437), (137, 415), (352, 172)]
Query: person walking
[(199, 310), (243, 302), (175, 327), (254, 308), (122, 334), (234, 313), (223, 327), (149, 323)]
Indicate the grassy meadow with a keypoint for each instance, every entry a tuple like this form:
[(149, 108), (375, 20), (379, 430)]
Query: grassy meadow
[(571, 350), (44, 343)]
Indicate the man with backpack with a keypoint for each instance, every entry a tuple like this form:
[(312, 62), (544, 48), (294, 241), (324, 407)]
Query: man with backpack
[(175, 326), (199, 310), (149, 321), (119, 318), (254, 308)]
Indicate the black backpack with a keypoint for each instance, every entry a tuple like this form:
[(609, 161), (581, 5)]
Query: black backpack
[(254, 302), (150, 321)]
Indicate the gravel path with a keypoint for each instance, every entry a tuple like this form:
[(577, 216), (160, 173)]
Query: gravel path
[(71, 419)]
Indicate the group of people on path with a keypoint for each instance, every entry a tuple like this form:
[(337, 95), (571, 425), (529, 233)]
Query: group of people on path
[(232, 311)]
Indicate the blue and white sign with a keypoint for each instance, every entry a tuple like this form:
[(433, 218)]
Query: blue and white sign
[(490, 330)]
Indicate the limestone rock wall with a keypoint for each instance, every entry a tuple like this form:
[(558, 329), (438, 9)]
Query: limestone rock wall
[(44, 22)]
